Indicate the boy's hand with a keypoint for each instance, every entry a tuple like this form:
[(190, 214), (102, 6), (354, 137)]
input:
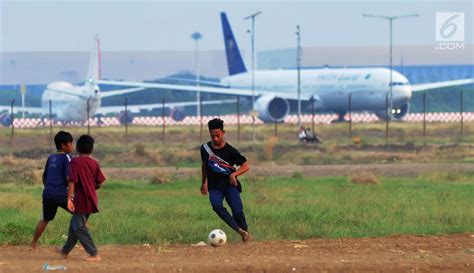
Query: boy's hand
[(204, 189), (233, 179), (70, 205)]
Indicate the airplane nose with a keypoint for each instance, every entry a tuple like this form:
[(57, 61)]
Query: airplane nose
[(406, 92)]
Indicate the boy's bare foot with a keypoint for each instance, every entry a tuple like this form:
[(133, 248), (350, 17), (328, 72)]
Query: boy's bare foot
[(245, 235), (61, 253), (95, 258), (32, 247)]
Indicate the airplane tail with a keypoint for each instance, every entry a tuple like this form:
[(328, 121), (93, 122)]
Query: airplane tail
[(235, 62), (93, 74)]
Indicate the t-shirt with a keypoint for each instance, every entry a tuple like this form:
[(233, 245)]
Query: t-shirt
[(86, 174), (227, 153), (55, 176)]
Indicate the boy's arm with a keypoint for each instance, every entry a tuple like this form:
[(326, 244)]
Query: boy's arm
[(243, 169), (45, 173), (204, 178), (100, 179), (70, 193)]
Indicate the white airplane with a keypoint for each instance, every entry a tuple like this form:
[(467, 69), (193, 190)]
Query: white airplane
[(71, 102), (328, 89)]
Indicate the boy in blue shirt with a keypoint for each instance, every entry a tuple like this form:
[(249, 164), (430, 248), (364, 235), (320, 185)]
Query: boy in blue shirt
[(55, 181)]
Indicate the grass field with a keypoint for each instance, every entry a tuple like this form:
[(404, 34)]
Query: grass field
[(181, 149), (277, 208)]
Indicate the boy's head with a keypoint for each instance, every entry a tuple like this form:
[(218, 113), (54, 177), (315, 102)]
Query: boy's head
[(216, 130), (85, 144), (63, 141)]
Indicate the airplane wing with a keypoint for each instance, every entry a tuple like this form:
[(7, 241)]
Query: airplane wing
[(18, 109), (105, 94), (137, 108), (208, 89), (193, 82), (435, 85)]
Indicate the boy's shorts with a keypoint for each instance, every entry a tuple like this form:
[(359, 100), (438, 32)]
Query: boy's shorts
[(50, 207)]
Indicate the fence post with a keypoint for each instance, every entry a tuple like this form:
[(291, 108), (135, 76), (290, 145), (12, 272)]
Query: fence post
[(424, 118), (276, 128), (389, 116), (51, 125), (200, 119), (12, 118), (238, 119), (88, 117), (126, 124), (163, 119), (350, 115), (312, 115), (462, 113)]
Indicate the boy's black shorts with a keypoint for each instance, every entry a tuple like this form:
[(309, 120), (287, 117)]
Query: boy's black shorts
[(50, 207)]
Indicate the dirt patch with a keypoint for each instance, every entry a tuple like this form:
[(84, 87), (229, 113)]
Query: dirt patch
[(452, 253)]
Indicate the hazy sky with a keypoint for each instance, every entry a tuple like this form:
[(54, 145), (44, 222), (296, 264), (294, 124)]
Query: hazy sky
[(165, 25)]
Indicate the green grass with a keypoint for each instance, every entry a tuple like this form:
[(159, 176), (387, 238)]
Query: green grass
[(276, 208)]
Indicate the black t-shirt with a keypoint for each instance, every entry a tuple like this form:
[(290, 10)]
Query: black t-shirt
[(227, 153)]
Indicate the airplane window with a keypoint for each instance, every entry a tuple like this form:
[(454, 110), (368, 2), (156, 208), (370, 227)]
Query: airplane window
[(399, 83)]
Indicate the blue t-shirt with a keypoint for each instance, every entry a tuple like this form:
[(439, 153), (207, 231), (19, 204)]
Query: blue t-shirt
[(55, 176)]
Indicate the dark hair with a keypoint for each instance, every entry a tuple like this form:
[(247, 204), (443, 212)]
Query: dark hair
[(216, 124), (61, 138), (85, 144)]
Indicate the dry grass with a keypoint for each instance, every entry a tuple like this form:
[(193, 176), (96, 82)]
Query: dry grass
[(160, 177), (364, 178), (269, 146)]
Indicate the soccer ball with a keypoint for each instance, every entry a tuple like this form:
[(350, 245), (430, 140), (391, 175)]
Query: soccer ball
[(217, 237)]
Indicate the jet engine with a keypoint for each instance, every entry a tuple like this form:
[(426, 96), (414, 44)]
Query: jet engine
[(272, 108), (177, 114), (125, 118), (5, 120)]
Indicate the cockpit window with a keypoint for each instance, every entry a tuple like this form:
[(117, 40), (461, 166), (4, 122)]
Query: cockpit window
[(398, 83)]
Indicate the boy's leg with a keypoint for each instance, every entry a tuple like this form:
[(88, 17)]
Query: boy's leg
[(50, 208), (216, 197), (71, 238), (40, 227), (232, 196), (83, 234)]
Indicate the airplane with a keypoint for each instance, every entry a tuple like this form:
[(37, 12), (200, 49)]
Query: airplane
[(69, 103), (327, 89)]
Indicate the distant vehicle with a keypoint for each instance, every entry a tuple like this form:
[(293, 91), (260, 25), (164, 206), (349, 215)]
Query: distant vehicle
[(328, 89)]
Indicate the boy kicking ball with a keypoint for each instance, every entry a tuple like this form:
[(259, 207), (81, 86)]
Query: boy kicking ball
[(219, 178)]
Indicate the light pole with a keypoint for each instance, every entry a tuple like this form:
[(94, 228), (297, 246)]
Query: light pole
[(298, 65), (196, 36), (23, 93), (390, 19), (252, 16), (252, 33)]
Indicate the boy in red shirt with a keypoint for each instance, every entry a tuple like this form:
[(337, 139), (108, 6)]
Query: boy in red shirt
[(85, 178)]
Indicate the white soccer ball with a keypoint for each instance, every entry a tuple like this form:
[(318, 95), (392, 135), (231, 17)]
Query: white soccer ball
[(217, 237)]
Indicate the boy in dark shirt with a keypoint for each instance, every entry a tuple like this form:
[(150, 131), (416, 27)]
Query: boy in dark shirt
[(55, 175), (86, 177), (219, 178)]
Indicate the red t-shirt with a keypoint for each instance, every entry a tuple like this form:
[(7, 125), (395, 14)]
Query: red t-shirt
[(86, 174)]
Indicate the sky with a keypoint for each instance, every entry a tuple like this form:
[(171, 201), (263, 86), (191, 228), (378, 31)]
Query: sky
[(42, 26)]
